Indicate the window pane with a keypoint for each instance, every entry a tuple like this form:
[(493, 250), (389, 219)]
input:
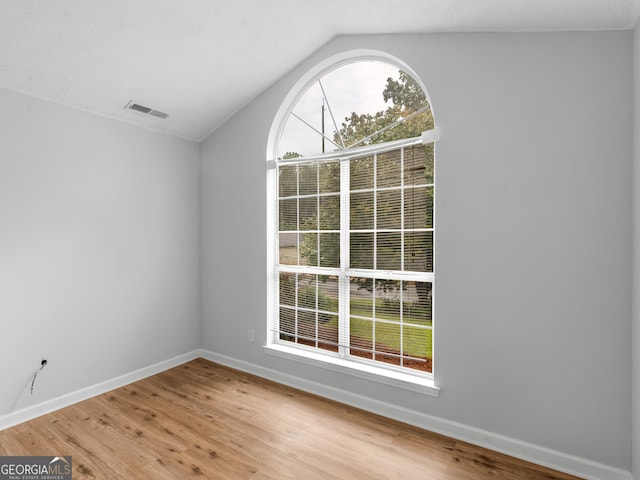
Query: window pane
[(308, 179), (418, 165), (328, 334), (330, 250), (388, 169), (417, 348), (361, 173), (361, 297), (309, 249), (361, 337), (330, 213), (287, 324), (329, 177), (288, 214), (361, 211), (307, 291), (328, 294), (388, 209), (307, 327), (361, 250), (416, 303), (309, 213), (418, 208), (328, 322), (388, 338), (289, 249), (287, 180), (388, 253), (418, 251), (387, 342), (388, 299), (287, 288)]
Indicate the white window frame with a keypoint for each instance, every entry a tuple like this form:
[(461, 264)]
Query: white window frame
[(342, 362)]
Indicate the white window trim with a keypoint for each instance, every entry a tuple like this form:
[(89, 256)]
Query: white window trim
[(394, 378)]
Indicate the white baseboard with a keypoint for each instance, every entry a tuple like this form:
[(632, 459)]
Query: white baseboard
[(562, 462), (29, 413)]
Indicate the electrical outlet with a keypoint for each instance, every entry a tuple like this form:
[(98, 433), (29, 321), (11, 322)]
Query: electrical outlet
[(252, 335)]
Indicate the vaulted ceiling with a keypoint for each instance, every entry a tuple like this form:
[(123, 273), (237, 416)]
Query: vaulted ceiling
[(200, 61)]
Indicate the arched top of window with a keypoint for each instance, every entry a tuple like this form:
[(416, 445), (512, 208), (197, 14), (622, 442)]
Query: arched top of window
[(354, 102)]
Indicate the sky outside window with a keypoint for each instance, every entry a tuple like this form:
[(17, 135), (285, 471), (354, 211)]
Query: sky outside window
[(356, 87)]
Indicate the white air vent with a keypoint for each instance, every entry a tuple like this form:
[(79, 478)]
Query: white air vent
[(145, 110)]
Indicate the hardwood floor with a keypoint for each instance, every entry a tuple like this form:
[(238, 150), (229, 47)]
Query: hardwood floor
[(204, 420)]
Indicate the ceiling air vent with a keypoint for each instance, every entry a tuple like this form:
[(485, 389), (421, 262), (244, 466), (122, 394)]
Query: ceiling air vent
[(145, 110), (156, 113)]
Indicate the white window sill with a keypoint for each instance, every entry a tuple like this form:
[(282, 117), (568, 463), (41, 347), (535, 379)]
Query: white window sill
[(405, 381)]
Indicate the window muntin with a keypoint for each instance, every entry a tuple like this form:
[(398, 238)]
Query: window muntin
[(354, 263)]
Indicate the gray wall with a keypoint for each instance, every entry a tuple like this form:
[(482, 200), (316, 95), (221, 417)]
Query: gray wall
[(636, 257), (99, 248), (534, 224)]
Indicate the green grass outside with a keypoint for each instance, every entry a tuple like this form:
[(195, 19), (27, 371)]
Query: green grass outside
[(363, 308), (417, 341), (417, 344)]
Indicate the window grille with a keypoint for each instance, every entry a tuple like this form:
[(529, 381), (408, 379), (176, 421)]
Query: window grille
[(354, 269)]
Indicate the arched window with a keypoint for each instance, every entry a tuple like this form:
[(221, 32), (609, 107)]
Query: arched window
[(351, 179)]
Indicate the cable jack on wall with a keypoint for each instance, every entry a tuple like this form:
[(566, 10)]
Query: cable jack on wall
[(43, 363)]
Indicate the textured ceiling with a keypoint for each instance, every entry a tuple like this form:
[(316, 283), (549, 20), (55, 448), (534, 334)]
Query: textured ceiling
[(202, 60)]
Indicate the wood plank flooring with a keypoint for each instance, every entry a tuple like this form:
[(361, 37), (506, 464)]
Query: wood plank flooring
[(204, 420)]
